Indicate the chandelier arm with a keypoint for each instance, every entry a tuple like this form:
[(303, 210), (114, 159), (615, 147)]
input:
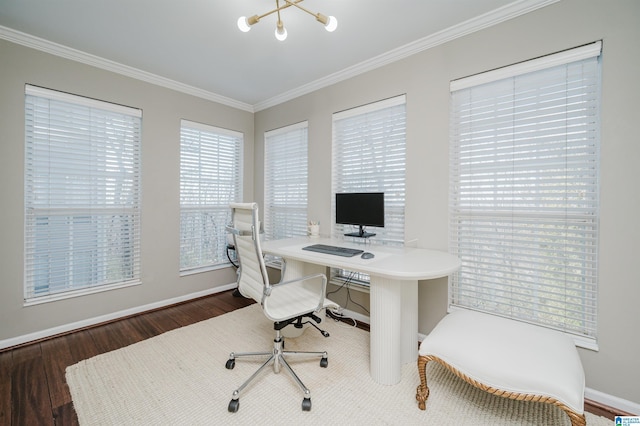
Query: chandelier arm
[(279, 8), (295, 3), (269, 13)]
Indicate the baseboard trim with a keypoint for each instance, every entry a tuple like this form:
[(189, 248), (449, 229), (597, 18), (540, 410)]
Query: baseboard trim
[(66, 328), (614, 404), (356, 316)]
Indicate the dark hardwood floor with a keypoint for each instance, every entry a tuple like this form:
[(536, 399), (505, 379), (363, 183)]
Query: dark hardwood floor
[(33, 390)]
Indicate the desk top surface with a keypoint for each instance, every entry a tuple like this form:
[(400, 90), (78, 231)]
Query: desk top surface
[(400, 263)]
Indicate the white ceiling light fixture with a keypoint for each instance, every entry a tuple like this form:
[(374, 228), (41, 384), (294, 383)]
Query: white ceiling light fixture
[(330, 22)]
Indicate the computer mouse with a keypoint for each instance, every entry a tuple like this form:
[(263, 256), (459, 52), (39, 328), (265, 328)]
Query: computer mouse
[(367, 255)]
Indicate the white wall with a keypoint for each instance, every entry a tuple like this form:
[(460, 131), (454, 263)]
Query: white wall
[(425, 78), (162, 111)]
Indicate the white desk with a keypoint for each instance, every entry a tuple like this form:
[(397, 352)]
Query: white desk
[(394, 273)]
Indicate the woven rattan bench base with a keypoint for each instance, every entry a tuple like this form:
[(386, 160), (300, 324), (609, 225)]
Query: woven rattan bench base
[(422, 393)]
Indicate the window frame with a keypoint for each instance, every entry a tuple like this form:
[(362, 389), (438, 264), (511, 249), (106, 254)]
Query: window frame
[(286, 181), (205, 195), (373, 126), (82, 195), (569, 152)]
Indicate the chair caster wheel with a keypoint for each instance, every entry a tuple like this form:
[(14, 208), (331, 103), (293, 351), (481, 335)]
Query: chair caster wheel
[(324, 362), (234, 404), (230, 364), (306, 404)]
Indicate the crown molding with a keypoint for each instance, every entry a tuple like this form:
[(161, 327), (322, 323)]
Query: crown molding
[(505, 13), (105, 64)]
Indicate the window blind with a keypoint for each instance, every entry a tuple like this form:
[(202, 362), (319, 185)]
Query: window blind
[(210, 179), (82, 194), (524, 195), (369, 156), (285, 170)]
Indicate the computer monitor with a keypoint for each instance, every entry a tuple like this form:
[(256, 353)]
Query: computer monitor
[(361, 209)]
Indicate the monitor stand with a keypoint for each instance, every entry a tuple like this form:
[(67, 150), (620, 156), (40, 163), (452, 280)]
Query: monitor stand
[(360, 234)]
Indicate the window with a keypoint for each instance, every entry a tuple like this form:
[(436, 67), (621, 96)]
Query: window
[(524, 191), (285, 177), (369, 156), (210, 179), (82, 195)]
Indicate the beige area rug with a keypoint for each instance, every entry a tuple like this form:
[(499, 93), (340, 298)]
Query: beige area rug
[(179, 378)]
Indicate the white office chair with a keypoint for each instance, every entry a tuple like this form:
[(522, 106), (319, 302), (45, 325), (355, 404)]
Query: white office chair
[(284, 303)]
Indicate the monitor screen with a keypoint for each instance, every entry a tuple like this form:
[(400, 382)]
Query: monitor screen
[(360, 208)]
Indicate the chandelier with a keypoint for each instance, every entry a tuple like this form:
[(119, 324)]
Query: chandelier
[(330, 23)]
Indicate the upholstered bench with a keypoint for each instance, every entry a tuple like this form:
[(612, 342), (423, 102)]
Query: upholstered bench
[(506, 358)]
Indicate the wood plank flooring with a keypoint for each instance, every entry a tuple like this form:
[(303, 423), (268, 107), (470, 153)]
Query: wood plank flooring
[(33, 390)]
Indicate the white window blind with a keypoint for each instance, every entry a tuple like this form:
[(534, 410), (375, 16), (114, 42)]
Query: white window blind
[(82, 195), (524, 191), (369, 156), (285, 187), (210, 179)]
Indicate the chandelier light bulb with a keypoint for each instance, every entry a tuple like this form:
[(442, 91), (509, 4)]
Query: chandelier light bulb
[(281, 32), (332, 24), (243, 24)]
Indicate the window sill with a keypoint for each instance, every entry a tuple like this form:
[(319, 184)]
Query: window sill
[(202, 269), (77, 293)]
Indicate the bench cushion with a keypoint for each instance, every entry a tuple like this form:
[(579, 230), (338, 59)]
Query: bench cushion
[(509, 355)]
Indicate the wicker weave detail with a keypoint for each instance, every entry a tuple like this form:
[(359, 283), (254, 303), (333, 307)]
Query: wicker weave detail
[(422, 392)]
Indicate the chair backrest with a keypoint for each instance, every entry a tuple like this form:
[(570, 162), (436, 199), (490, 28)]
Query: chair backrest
[(245, 228)]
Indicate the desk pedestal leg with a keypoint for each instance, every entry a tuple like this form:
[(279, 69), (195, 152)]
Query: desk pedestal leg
[(386, 319), (409, 321), (394, 328)]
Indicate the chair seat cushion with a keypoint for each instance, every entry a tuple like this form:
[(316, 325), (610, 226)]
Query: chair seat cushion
[(509, 355)]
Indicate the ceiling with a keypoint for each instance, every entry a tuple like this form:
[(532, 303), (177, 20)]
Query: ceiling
[(195, 45)]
